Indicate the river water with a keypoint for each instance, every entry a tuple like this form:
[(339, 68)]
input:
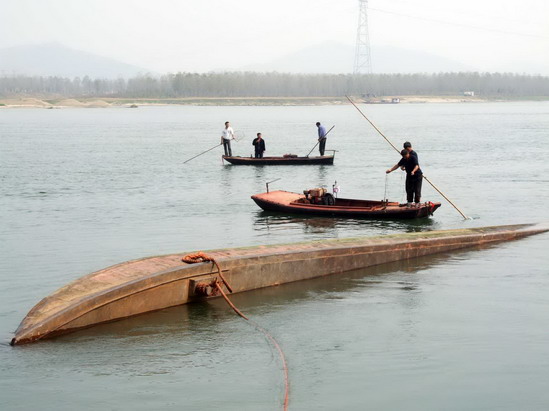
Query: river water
[(82, 189)]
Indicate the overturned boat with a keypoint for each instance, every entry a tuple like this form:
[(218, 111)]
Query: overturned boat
[(154, 283), (320, 203)]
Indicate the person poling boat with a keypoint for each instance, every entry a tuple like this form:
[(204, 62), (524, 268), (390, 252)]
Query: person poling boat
[(321, 140), (414, 175), (322, 137), (396, 149), (226, 136)]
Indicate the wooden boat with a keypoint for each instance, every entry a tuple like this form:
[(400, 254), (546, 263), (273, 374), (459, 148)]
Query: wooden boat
[(154, 283), (282, 161), (294, 203)]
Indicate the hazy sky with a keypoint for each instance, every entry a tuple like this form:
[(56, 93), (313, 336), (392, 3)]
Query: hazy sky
[(202, 35)]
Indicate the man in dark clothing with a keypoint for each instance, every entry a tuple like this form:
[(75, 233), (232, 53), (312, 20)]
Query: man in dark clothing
[(321, 138), (259, 145), (408, 146), (414, 176)]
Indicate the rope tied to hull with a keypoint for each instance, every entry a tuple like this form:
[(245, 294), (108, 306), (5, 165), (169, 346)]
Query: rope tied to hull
[(201, 257)]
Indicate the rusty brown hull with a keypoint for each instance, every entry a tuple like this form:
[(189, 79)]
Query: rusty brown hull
[(149, 284), (293, 203)]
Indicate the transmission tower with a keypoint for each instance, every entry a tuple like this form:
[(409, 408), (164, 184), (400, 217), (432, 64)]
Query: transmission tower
[(363, 62)]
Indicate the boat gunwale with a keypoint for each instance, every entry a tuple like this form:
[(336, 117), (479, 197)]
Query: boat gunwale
[(351, 208)]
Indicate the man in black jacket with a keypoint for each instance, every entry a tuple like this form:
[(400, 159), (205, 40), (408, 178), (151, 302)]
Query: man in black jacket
[(414, 176), (259, 145)]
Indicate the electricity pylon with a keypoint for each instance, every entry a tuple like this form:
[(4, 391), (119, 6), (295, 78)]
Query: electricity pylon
[(363, 62)]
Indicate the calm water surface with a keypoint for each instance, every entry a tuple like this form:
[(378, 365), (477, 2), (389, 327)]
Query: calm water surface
[(82, 189)]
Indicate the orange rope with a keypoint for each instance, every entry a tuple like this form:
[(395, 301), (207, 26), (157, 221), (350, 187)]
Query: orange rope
[(236, 310), (202, 257)]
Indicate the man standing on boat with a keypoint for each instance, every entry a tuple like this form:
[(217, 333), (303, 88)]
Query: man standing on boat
[(259, 145), (408, 146), (226, 136), (321, 137), (414, 176)]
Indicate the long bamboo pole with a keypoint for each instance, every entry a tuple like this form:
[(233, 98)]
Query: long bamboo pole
[(397, 150), (204, 152)]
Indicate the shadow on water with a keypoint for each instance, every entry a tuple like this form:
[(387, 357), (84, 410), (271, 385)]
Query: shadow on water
[(204, 317)]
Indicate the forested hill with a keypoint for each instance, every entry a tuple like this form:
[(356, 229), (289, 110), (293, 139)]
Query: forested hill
[(253, 84)]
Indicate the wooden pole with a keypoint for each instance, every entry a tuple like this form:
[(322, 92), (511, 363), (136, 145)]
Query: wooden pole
[(204, 152), (447, 199), (397, 150)]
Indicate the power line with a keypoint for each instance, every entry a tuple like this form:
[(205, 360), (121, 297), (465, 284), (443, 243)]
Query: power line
[(513, 33), (454, 11)]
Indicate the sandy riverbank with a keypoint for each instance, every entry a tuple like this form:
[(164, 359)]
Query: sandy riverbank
[(49, 103), (31, 102)]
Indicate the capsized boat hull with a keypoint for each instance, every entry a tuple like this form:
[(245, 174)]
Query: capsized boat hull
[(294, 203), (279, 161), (154, 283)]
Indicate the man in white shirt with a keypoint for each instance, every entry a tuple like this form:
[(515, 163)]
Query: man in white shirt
[(226, 136)]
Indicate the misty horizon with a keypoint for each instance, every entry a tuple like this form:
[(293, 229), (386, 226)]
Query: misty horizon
[(167, 36), (71, 63)]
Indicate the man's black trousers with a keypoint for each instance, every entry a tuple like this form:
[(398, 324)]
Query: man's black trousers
[(413, 188), (322, 145)]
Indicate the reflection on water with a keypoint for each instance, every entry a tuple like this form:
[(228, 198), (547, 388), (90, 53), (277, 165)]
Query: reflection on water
[(323, 171), (228, 182), (267, 221), (260, 173)]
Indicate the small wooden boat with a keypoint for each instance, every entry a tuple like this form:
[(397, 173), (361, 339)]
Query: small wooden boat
[(327, 205), (282, 161)]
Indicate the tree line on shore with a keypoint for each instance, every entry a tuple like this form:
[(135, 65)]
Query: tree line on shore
[(254, 84)]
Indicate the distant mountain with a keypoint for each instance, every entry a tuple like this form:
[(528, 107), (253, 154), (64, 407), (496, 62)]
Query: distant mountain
[(339, 58), (54, 59)]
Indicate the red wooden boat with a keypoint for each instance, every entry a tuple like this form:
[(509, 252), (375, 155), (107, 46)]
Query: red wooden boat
[(283, 160), (327, 205)]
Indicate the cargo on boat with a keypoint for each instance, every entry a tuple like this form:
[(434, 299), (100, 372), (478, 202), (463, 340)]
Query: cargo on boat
[(280, 161), (321, 203), (154, 283)]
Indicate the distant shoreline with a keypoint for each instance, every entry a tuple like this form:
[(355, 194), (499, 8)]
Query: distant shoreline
[(57, 103)]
